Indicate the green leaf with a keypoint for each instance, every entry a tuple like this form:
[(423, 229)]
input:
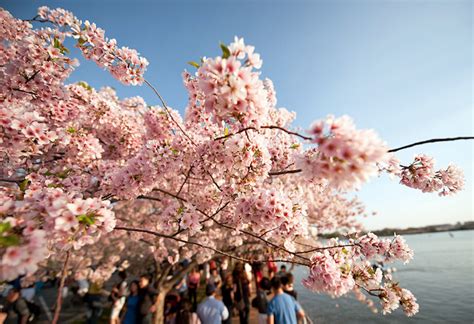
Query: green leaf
[(295, 146), (5, 227), (85, 85), (225, 51), (24, 185), (174, 151), (63, 174), (195, 64), (57, 44), (81, 41), (344, 250), (9, 240), (71, 130), (54, 185), (86, 219), (226, 131)]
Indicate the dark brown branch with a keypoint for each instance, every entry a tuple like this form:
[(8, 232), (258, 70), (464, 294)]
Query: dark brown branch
[(25, 91), (327, 248), (288, 132), (172, 195), (178, 276), (148, 198), (28, 79), (371, 291), (240, 131), (433, 140), (140, 230), (59, 298), (214, 180), (180, 240), (185, 180), (276, 246), (275, 173), (264, 127)]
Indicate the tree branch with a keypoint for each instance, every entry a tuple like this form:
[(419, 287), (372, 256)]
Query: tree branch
[(434, 140), (59, 298), (288, 132), (168, 111)]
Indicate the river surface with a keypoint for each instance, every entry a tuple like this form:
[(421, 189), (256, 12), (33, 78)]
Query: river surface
[(441, 276)]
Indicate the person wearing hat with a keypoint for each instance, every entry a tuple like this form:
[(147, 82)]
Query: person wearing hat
[(211, 310)]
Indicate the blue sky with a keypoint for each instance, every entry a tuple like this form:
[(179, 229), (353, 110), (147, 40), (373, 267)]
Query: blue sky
[(403, 68)]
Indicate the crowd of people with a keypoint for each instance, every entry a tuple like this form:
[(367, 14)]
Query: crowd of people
[(230, 291)]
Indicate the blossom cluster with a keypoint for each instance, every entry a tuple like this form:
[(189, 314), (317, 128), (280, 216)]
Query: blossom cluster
[(345, 156), (272, 211), (392, 296), (232, 89), (420, 174), (71, 222), (338, 269), (124, 63), (239, 163), (182, 187), (31, 66), (21, 252)]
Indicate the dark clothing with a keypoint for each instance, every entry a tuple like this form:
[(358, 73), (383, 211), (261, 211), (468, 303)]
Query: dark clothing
[(260, 302), (242, 294), (228, 302), (94, 304), (146, 300), (192, 296), (291, 293), (16, 311), (131, 315)]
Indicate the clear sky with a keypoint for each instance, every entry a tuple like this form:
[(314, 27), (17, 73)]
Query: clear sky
[(403, 68)]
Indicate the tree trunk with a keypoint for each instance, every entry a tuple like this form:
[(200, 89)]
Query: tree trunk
[(160, 306), (59, 299)]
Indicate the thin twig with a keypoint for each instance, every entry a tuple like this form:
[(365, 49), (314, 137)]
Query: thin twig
[(168, 110)]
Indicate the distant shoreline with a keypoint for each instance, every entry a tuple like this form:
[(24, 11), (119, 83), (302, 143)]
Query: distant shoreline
[(426, 229), (466, 226)]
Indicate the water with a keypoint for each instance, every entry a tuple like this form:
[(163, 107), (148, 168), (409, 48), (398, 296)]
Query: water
[(441, 276)]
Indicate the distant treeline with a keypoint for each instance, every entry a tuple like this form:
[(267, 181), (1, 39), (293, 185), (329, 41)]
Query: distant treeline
[(417, 230)]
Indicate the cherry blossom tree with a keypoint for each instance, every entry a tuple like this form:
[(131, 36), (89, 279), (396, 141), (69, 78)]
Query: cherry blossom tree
[(87, 178)]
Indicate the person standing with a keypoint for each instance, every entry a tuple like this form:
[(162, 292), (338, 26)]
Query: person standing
[(283, 308), (16, 308), (272, 268), (260, 301), (131, 305), (146, 300), (287, 284), (185, 313), (193, 284), (117, 297), (282, 271), (215, 278), (211, 310), (241, 292), (227, 291)]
